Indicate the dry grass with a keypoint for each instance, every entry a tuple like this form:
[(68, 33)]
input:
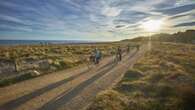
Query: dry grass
[(163, 79), (15, 61)]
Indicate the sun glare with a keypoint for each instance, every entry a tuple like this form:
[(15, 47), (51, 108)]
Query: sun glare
[(152, 25)]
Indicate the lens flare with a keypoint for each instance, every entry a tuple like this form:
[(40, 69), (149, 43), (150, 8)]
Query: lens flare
[(152, 25)]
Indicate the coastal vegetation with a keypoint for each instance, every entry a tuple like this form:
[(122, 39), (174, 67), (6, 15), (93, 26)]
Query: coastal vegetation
[(163, 79), (21, 62)]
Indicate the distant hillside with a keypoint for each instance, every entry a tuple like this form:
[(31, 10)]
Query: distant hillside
[(183, 37)]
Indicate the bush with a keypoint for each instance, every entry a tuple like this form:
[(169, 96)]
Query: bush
[(154, 77), (132, 75), (186, 94), (16, 79), (163, 91), (108, 100)]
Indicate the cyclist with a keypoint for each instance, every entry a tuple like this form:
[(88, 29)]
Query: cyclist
[(119, 53), (97, 56)]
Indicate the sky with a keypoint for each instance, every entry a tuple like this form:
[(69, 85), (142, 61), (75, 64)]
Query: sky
[(95, 20)]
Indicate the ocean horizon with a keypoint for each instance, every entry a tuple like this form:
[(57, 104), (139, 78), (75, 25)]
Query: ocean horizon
[(43, 42)]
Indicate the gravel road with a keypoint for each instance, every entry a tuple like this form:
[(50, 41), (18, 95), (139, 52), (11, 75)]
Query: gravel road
[(72, 89)]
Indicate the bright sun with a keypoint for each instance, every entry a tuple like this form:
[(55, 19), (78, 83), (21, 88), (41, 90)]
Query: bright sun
[(152, 25)]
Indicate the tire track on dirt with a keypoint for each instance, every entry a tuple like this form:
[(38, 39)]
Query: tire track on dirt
[(59, 97), (13, 104), (67, 96), (17, 102), (54, 104), (86, 96)]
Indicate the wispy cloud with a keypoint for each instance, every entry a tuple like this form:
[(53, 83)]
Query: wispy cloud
[(179, 16), (178, 9), (11, 19), (90, 19), (111, 11), (185, 24)]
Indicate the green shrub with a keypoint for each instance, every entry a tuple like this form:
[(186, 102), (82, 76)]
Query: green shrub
[(154, 77), (163, 91), (109, 100), (186, 94), (16, 79), (132, 75)]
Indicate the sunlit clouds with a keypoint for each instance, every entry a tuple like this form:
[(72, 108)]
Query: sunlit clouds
[(93, 19), (111, 11), (152, 25)]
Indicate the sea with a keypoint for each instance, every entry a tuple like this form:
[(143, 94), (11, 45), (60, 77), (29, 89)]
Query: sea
[(42, 42)]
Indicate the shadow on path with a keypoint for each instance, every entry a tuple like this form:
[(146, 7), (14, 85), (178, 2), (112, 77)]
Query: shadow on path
[(21, 100), (13, 104), (67, 96)]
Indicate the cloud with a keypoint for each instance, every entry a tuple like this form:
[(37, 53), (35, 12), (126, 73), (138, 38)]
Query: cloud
[(111, 11), (183, 2), (90, 18), (178, 9), (120, 26), (179, 16), (185, 24), (12, 28), (11, 19)]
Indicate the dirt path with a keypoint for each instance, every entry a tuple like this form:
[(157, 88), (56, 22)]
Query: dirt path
[(72, 89)]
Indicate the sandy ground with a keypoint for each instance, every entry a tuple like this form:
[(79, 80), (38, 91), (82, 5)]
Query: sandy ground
[(72, 89)]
